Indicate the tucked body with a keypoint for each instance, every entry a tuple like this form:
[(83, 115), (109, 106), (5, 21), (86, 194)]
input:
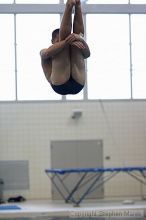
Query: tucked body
[(63, 62)]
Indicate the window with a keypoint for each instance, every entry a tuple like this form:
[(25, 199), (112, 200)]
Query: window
[(115, 70), (37, 1), (104, 1), (138, 1), (139, 55), (7, 58), (6, 1), (108, 68), (107, 1), (33, 34), (79, 96)]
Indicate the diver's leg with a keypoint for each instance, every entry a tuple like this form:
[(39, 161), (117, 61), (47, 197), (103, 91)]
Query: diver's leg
[(78, 25), (66, 23), (77, 60)]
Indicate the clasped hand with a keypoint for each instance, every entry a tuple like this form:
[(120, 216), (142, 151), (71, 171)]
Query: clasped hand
[(75, 40)]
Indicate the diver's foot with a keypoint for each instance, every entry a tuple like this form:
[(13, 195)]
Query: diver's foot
[(78, 2), (71, 2)]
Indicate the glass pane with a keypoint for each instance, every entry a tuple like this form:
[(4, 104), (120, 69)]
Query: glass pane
[(138, 1), (107, 1), (7, 70), (33, 34), (6, 1), (37, 1), (78, 96), (108, 66), (80, 0), (139, 55)]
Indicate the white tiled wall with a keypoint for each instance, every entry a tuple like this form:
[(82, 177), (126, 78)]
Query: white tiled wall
[(26, 130)]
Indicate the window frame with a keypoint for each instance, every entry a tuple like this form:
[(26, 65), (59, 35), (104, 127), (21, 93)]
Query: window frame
[(59, 9)]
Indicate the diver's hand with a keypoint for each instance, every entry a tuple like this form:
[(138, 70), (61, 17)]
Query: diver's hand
[(78, 44), (73, 37)]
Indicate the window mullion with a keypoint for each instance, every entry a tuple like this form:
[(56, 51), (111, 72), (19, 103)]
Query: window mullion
[(15, 54), (131, 64)]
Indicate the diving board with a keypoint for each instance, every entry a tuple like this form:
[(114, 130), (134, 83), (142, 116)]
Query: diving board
[(92, 177)]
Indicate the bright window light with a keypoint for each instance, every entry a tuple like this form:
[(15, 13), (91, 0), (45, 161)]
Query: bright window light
[(7, 69), (138, 1), (78, 96), (108, 68), (33, 34), (6, 1), (107, 1), (139, 55), (37, 1)]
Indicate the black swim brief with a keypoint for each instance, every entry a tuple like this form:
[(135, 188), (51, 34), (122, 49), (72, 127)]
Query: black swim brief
[(70, 87)]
